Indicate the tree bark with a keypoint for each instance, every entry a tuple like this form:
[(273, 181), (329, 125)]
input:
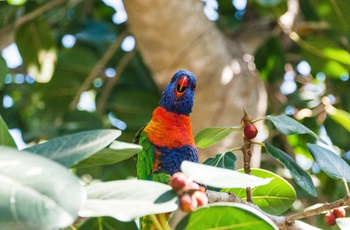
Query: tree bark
[(172, 35)]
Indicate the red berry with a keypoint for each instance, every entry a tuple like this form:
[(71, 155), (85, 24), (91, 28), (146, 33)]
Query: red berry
[(193, 186), (339, 212), (187, 203), (250, 131), (329, 219), (178, 181), (201, 198), (201, 189)]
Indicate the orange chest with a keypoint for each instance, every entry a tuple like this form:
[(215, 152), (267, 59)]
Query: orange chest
[(169, 129)]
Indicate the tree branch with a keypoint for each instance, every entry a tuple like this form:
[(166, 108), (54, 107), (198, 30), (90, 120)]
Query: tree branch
[(9, 29), (112, 82), (319, 209), (289, 222), (95, 71)]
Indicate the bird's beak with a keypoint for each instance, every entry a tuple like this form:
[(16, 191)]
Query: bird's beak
[(182, 85)]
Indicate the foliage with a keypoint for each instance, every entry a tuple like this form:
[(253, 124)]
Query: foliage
[(44, 182), (43, 95)]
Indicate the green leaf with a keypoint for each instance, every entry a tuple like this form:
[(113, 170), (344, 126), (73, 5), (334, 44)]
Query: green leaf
[(325, 55), (126, 200), (301, 177), (288, 126), (107, 223), (330, 163), (270, 60), (5, 137), (71, 149), (116, 152), (274, 198), (37, 49), (226, 216), (212, 135), (16, 2), (340, 116), (224, 160), (36, 193), (219, 177)]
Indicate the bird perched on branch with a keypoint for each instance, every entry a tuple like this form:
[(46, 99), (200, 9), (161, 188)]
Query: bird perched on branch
[(167, 140)]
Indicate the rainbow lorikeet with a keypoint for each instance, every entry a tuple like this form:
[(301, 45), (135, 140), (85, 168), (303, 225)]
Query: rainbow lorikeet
[(167, 140)]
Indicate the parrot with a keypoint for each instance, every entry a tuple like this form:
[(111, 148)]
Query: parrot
[(167, 140)]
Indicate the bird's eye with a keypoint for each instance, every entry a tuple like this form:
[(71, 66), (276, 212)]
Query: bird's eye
[(193, 87), (172, 80)]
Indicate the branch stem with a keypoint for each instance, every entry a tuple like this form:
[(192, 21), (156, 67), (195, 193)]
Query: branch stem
[(283, 222), (155, 221), (107, 90), (96, 69), (247, 155)]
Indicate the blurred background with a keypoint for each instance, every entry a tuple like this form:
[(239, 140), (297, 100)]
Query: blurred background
[(71, 65)]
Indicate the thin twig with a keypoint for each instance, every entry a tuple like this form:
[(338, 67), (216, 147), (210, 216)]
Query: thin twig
[(317, 210), (155, 221), (107, 90), (95, 71), (283, 222)]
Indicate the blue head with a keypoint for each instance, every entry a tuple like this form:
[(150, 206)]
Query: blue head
[(178, 96)]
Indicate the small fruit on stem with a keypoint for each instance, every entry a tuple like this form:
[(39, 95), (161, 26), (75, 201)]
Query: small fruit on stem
[(250, 131), (329, 219), (187, 203), (178, 181), (191, 195), (201, 198), (339, 212)]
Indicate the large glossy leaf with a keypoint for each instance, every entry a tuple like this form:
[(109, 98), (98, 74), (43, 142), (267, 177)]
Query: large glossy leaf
[(301, 177), (330, 163), (116, 152), (36, 193), (274, 198), (288, 126), (126, 200), (219, 177), (224, 160), (71, 149), (37, 49), (212, 135), (226, 216), (5, 137)]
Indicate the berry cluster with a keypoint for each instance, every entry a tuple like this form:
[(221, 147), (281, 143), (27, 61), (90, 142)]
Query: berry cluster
[(190, 193), (331, 216)]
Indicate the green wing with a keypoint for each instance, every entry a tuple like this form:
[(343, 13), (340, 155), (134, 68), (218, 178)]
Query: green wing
[(145, 157), (145, 160)]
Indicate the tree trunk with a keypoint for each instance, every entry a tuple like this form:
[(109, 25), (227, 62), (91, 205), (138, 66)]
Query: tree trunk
[(172, 35)]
